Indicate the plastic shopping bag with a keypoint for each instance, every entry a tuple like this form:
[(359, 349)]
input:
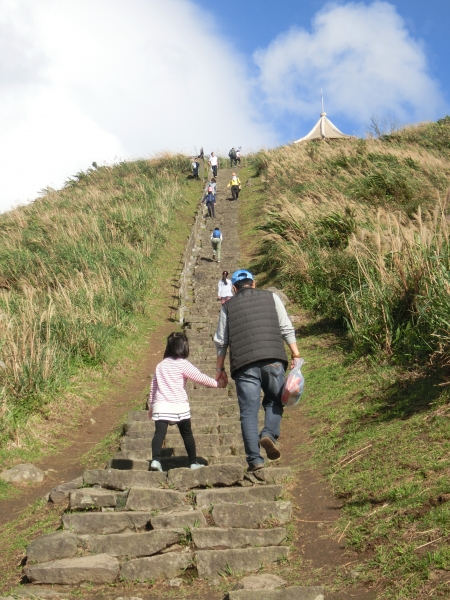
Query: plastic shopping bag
[(293, 385)]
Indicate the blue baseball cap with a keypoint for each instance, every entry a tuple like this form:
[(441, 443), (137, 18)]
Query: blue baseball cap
[(241, 274)]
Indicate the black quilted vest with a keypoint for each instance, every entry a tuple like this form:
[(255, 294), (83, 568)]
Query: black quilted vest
[(253, 329)]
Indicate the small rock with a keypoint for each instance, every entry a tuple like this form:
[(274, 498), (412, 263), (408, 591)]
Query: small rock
[(259, 582), (175, 582), (23, 474), (93, 421)]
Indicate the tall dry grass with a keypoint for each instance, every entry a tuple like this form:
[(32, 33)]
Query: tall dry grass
[(74, 269), (358, 232)]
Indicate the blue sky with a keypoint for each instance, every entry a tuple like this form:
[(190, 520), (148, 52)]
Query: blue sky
[(253, 24), (106, 80)]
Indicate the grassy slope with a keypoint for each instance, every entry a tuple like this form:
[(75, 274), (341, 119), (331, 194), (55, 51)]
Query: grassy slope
[(133, 190), (381, 437)]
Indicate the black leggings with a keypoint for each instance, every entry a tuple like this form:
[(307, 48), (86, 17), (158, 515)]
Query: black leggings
[(185, 430)]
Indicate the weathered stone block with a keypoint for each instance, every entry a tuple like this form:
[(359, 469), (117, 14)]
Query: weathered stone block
[(72, 571), (218, 496), (122, 480), (164, 566), (185, 479), (62, 491), (211, 563), (52, 546), (106, 523), (215, 537), (130, 544), (93, 498), (252, 514), (152, 499), (179, 520), (265, 581), (289, 593)]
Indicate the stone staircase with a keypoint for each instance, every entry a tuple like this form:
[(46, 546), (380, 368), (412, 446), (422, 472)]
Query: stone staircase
[(135, 525)]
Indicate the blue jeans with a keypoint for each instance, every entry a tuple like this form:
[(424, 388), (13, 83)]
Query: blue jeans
[(266, 375)]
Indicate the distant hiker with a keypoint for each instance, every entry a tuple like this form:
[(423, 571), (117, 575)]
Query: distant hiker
[(238, 156), (213, 161), (235, 185), (213, 184), (210, 199), (201, 154), (224, 289), (195, 168), (254, 324), (233, 157), (168, 401), (216, 243)]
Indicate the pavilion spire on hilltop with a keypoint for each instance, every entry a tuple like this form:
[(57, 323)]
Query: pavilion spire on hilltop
[(323, 129)]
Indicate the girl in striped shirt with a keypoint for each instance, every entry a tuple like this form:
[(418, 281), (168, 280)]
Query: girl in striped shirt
[(168, 402)]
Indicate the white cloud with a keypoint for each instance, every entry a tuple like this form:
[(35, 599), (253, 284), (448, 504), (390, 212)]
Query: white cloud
[(85, 80), (361, 55)]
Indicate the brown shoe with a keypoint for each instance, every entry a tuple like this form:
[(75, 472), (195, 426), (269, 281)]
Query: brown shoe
[(255, 467), (269, 446)]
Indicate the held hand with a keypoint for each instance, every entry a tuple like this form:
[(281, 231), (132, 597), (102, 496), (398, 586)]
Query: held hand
[(149, 413), (293, 362), (221, 383)]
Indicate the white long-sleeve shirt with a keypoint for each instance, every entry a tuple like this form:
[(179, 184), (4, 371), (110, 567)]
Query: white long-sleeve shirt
[(225, 290), (168, 399)]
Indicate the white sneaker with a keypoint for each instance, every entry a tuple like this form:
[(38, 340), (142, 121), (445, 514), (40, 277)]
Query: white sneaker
[(156, 465), (196, 466)]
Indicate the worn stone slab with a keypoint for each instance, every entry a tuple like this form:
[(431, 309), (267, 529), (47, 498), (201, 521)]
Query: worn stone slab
[(127, 464), (186, 479), (264, 581), (179, 520), (217, 496), (215, 537), (252, 514), (165, 566), (130, 544), (171, 440), (226, 460), (230, 439), (137, 415), (100, 568), (106, 523), (275, 474), (52, 546), (121, 480), (38, 592), (62, 491), (95, 498), (212, 563), (153, 499), (23, 473), (290, 593)]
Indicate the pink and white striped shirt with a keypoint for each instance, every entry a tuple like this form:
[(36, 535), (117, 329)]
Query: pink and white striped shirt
[(168, 399)]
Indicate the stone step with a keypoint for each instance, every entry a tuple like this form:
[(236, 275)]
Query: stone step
[(100, 568), (147, 499), (106, 523), (265, 493), (218, 475), (213, 563), (179, 520), (216, 537), (164, 566), (203, 452), (52, 546), (117, 479), (86, 498), (296, 592), (130, 544), (252, 515)]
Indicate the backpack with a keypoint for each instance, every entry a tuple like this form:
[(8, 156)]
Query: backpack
[(232, 153), (216, 233)]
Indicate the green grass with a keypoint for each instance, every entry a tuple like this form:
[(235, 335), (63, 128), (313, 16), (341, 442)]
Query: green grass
[(381, 437), (89, 384)]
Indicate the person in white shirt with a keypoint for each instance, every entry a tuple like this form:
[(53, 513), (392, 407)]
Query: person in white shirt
[(225, 288), (213, 161)]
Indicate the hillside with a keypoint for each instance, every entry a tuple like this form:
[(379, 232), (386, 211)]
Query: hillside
[(77, 269), (356, 233)]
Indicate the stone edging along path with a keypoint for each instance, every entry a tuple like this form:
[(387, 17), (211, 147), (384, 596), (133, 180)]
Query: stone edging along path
[(126, 522)]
